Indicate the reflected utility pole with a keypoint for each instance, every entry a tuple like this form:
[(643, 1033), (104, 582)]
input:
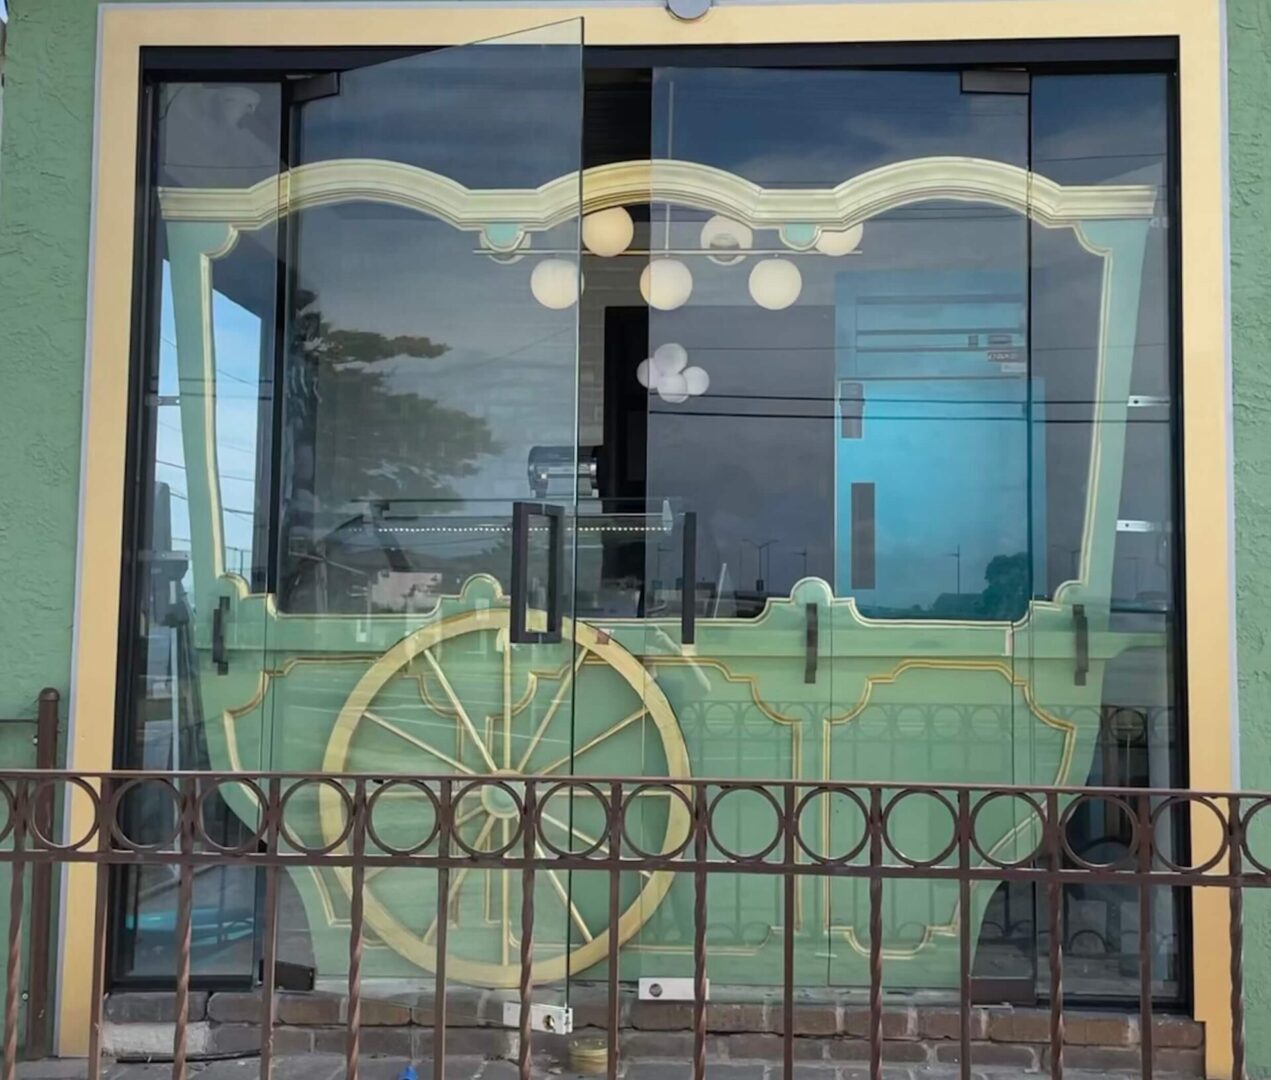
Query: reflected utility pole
[(759, 560)]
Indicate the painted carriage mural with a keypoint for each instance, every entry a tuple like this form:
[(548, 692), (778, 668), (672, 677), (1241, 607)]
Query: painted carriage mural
[(503, 668)]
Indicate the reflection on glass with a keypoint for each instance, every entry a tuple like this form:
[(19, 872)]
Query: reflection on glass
[(428, 364), (1112, 130), (202, 504), (421, 370), (867, 447)]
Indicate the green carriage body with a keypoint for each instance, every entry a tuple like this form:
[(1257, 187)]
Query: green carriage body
[(881, 700)]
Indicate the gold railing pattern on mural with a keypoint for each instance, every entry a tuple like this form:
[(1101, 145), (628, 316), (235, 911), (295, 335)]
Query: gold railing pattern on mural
[(1221, 825)]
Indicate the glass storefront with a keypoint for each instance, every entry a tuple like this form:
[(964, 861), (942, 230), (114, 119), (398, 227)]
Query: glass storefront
[(511, 409)]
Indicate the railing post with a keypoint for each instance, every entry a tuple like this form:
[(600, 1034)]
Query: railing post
[(185, 915), (875, 933), (1144, 814), (1055, 917), (446, 815), (613, 1012), (700, 814), (104, 815), (353, 1040), (269, 946), (37, 1039), (13, 981), (787, 936), (529, 837), (1236, 834), (964, 933)]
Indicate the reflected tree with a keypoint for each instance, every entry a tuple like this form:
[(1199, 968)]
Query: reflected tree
[(360, 431), (1008, 587)]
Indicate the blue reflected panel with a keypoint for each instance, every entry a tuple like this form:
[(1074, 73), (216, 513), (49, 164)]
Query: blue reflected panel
[(933, 447)]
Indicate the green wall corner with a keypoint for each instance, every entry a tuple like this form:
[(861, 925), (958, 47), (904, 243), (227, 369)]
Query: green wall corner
[(1249, 94)]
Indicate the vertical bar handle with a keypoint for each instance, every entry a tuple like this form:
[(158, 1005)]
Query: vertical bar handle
[(555, 570), (220, 614), (688, 603), (519, 631), (1081, 627)]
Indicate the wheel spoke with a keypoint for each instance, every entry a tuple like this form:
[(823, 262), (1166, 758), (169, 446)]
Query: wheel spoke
[(455, 885), (573, 755), (464, 718), (476, 811), (574, 913), (552, 709), (415, 741)]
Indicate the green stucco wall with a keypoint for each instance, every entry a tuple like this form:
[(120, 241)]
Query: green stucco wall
[(1249, 91), (45, 160), (44, 217)]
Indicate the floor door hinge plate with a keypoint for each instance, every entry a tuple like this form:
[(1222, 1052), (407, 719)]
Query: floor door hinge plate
[(558, 1019)]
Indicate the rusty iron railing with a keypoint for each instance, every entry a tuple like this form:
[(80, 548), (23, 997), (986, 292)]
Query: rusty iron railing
[(44, 727), (1220, 822)]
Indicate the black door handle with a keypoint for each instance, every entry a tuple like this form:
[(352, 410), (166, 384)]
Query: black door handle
[(1081, 626), (688, 588), (220, 657), (811, 643), (519, 632)]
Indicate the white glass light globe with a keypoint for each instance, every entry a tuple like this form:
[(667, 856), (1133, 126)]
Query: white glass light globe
[(554, 283), (666, 284), (647, 375), (670, 359), (696, 380), (673, 389), (775, 283), (608, 232), (726, 240), (839, 241)]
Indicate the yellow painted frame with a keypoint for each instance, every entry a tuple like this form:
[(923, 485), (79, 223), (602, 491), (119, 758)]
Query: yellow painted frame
[(124, 29)]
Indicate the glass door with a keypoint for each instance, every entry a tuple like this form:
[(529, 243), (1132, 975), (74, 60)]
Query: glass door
[(424, 621), (835, 321), (365, 346)]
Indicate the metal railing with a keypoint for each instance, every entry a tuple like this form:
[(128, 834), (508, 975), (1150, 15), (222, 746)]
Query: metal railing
[(1221, 824), (42, 754)]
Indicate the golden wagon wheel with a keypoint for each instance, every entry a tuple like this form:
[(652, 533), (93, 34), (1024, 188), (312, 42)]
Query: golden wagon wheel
[(518, 736)]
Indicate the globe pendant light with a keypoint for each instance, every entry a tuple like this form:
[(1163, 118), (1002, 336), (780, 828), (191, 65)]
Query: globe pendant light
[(608, 232), (696, 380), (666, 284), (670, 358), (554, 283), (667, 372), (839, 241), (726, 240), (775, 283)]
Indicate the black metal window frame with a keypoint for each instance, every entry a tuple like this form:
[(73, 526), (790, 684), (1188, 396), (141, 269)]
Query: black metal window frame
[(285, 64)]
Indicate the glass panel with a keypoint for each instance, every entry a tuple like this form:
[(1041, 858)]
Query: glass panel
[(353, 532), (1105, 473), (430, 364), (202, 502), (848, 358), (832, 487)]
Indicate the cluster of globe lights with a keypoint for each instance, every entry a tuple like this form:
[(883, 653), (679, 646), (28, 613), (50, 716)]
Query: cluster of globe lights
[(668, 374), (667, 283)]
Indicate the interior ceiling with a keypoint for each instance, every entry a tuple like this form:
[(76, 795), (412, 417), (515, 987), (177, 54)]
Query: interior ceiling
[(617, 116)]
